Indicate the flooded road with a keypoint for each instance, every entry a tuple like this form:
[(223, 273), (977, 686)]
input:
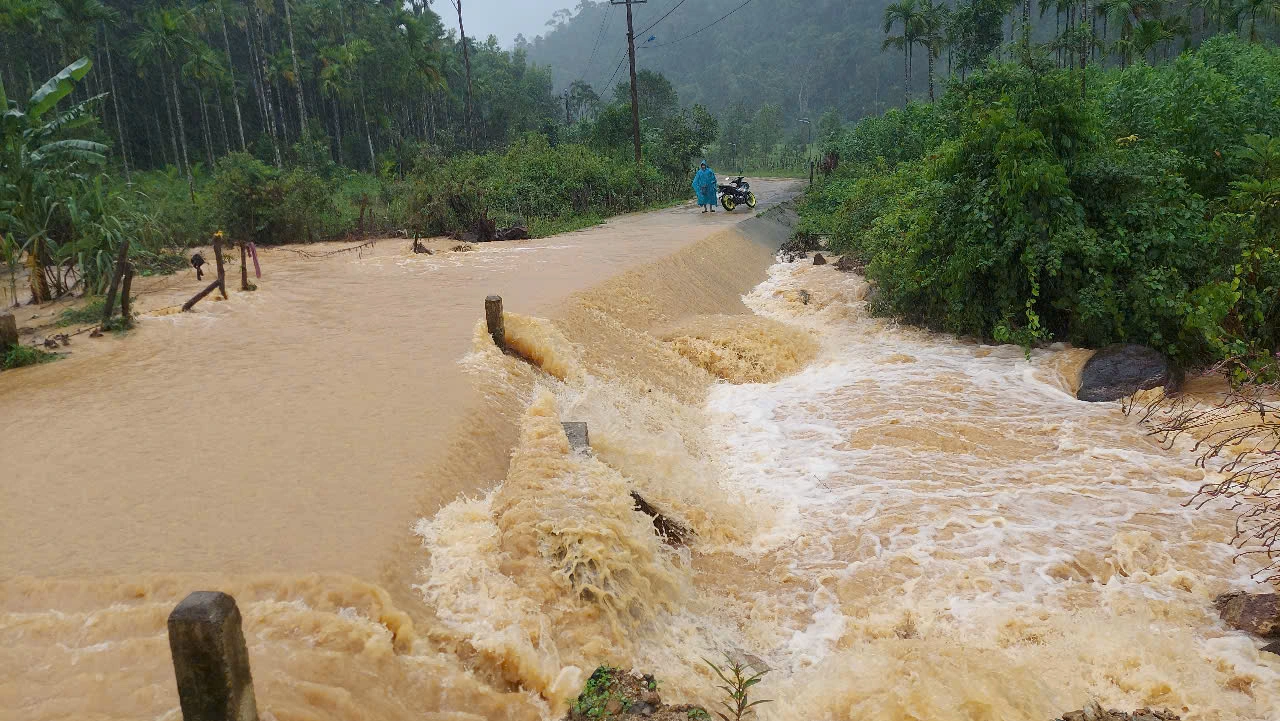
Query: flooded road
[(903, 526), (287, 429)]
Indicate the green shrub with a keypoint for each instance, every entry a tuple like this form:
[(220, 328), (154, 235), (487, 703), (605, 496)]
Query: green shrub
[(1013, 210), (21, 355)]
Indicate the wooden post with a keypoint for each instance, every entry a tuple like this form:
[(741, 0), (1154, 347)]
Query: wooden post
[(8, 331), (493, 318), (122, 259), (222, 272), (210, 659), (125, 286), (199, 296), (244, 269)]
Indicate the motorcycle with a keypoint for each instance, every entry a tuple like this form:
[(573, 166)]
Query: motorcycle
[(736, 192)]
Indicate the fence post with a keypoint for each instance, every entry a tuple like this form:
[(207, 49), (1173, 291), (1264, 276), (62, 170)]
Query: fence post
[(8, 331), (210, 659), (493, 319), (576, 432)]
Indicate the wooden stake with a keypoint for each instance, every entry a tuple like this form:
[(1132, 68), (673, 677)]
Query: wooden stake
[(125, 285), (244, 269), (222, 272), (493, 319), (8, 331), (109, 306), (210, 659)]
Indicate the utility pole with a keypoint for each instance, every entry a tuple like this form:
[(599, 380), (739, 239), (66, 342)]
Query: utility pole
[(631, 52)]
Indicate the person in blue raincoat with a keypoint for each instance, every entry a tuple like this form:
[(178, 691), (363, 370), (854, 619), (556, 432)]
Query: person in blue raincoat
[(704, 184)]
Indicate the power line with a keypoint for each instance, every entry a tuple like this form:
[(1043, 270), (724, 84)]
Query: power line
[(664, 17), (599, 36), (695, 32), (615, 71)]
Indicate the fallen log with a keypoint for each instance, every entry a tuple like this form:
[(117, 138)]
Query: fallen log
[(200, 296)]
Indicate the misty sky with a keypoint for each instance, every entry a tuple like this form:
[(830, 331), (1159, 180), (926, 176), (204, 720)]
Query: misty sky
[(504, 18)]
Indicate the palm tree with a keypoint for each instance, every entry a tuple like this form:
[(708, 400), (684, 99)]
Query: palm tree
[(163, 42), (219, 9), (466, 58), (933, 24), (205, 68), (1253, 8), (908, 14), (1148, 34)]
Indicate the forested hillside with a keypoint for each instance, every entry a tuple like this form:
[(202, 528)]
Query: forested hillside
[(811, 56)]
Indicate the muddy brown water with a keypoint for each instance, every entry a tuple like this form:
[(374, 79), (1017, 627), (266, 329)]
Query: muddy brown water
[(903, 526)]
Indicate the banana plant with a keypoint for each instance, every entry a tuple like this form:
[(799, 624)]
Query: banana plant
[(38, 165)]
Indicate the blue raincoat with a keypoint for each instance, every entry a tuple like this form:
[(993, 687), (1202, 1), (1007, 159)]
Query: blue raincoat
[(704, 184)]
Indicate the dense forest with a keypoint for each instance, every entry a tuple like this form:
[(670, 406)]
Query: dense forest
[(1035, 203), (807, 57)]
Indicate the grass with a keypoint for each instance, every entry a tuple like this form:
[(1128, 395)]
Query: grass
[(20, 355), (85, 314)]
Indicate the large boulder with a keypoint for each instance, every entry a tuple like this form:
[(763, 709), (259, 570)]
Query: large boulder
[(1121, 370), (1256, 613)]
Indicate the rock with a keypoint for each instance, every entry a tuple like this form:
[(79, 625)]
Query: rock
[(798, 247), (97, 333), (613, 706), (819, 260), (1256, 613), (418, 247), (805, 297), (462, 248), (1273, 647), (847, 264), (515, 232), (50, 343), (1094, 712), (1121, 370)]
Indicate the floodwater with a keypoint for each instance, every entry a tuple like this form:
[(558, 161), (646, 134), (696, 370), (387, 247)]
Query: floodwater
[(901, 525)]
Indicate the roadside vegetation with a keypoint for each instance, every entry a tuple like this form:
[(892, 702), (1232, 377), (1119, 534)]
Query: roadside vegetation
[(168, 123), (1035, 203)]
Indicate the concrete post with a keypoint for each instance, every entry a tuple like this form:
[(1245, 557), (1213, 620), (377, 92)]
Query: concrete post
[(577, 434), (8, 331), (493, 319), (210, 659)]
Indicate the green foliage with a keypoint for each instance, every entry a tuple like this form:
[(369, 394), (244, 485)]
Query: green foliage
[(21, 355), (595, 696), (89, 313), (1012, 210), (532, 180), (737, 688)]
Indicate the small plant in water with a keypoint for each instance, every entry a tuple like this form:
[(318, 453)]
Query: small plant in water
[(737, 687)]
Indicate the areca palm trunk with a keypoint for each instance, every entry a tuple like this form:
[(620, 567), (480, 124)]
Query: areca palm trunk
[(208, 137), (173, 130), (182, 134), (297, 76), (268, 107), (115, 100), (222, 118), (929, 51), (906, 74), (231, 68)]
